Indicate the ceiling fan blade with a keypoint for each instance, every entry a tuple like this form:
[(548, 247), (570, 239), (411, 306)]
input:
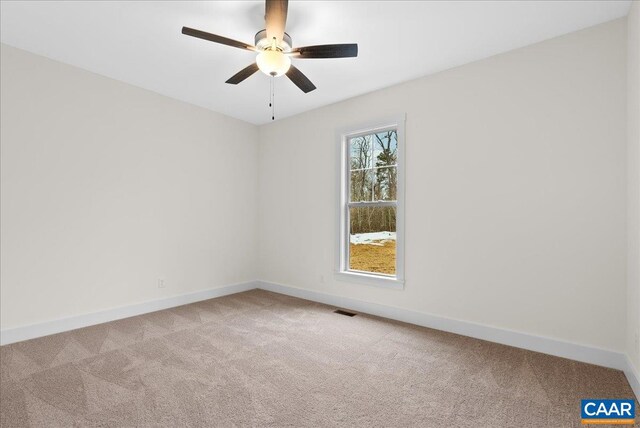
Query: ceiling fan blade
[(300, 80), (243, 74), (276, 18), (217, 39), (349, 50)]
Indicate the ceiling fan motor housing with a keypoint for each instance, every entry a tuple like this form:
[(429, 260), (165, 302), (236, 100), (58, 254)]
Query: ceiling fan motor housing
[(263, 43)]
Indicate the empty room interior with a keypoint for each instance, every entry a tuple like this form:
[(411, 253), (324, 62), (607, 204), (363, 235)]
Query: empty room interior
[(320, 213)]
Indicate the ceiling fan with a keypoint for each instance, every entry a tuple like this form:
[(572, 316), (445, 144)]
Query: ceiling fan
[(275, 49)]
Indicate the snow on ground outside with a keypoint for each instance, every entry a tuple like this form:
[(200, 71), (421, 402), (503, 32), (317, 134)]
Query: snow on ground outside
[(373, 238)]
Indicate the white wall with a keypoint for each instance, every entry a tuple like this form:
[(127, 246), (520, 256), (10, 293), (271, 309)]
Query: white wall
[(633, 138), (107, 187), (516, 191)]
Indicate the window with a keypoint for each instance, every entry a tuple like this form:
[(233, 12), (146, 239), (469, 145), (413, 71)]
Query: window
[(371, 204)]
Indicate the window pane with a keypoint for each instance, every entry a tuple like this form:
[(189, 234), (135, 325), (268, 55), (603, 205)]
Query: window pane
[(372, 239), (360, 152), (385, 183), (385, 148), (362, 183)]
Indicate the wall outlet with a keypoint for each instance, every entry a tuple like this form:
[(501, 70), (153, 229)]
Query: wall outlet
[(321, 279), (160, 283), (637, 342)]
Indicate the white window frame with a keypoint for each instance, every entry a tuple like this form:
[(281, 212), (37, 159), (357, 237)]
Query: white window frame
[(342, 254)]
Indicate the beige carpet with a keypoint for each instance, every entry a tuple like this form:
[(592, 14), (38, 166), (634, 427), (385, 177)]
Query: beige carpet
[(263, 359)]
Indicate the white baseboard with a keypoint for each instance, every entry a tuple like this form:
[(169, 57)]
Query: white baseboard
[(18, 334), (633, 376), (545, 345)]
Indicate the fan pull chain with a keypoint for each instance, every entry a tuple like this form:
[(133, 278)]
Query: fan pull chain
[(273, 99), (272, 103)]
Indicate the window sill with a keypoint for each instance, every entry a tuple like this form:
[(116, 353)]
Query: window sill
[(363, 278)]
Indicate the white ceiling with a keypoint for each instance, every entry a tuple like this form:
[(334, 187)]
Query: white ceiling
[(140, 43)]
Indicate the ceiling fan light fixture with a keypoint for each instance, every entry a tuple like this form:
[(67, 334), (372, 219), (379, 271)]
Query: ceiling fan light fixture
[(273, 62), (275, 49)]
